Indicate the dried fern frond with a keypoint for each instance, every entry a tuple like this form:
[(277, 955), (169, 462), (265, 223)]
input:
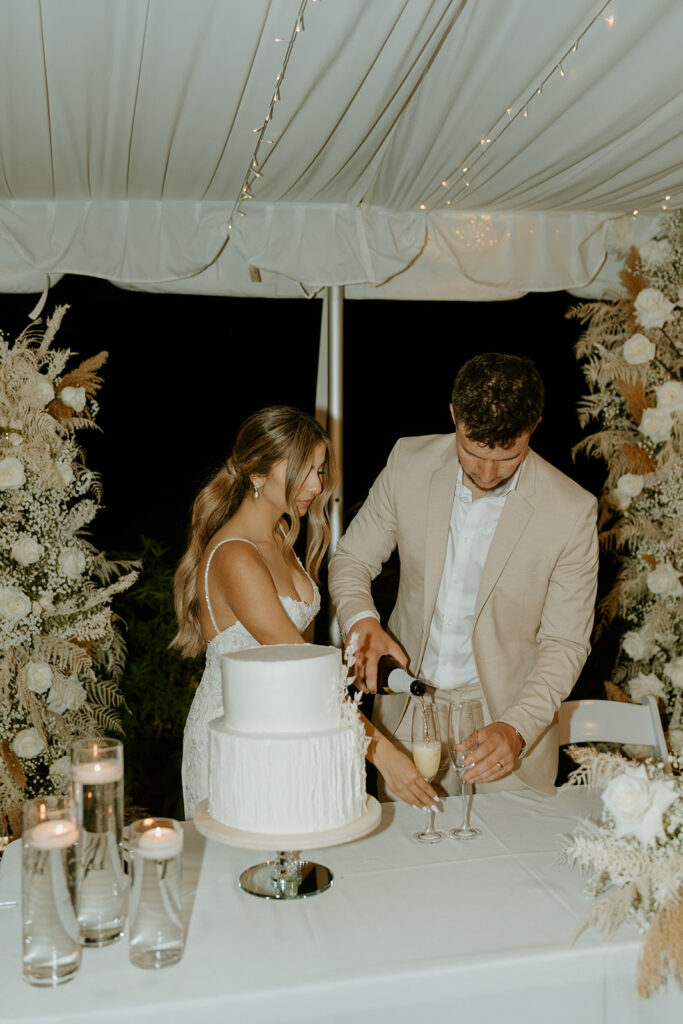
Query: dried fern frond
[(638, 460), (85, 375), (610, 912), (596, 768), (635, 397), (662, 951), (632, 277)]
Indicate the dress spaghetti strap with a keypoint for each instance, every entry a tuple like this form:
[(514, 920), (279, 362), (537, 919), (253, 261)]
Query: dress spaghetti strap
[(226, 540)]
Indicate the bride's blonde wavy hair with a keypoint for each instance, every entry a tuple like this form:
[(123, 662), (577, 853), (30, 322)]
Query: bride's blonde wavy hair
[(266, 437)]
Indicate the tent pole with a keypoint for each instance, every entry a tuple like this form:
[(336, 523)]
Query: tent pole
[(335, 403)]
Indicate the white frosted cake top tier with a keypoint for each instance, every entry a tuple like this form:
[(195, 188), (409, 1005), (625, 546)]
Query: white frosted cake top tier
[(282, 688)]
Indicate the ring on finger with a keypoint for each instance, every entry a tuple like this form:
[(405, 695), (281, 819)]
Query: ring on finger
[(499, 765)]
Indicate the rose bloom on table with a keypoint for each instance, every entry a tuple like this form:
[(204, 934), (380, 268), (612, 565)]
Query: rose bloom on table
[(635, 854)]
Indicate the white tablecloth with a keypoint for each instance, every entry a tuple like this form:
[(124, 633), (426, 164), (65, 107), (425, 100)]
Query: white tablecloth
[(483, 928)]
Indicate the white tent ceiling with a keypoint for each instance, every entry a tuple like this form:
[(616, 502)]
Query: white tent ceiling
[(445, 149)]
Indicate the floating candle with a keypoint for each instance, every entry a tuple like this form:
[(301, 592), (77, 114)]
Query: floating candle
[(52, 835), (159, 843), (93, 772)]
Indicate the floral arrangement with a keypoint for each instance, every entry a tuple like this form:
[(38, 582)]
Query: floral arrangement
[(61, 652), (636, 855), (633, 352)]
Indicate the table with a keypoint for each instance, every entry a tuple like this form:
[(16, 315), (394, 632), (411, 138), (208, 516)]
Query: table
[(482, 927)]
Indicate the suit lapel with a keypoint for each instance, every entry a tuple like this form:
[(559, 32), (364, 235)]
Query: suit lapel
[(513, 521), (439, 508)]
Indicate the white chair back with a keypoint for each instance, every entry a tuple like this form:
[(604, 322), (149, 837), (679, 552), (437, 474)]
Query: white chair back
[(612, 721)]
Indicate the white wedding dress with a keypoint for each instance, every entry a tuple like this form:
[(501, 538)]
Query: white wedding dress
[(208, 700)]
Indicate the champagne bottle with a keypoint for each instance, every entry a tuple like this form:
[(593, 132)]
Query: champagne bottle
[(393, 678)]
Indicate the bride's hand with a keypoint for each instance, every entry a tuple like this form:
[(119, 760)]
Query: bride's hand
[(402, 777)]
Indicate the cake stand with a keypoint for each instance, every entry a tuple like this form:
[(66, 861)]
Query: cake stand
[(288, 877)]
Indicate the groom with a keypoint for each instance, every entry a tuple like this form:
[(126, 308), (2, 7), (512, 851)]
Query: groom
[(499, 558)]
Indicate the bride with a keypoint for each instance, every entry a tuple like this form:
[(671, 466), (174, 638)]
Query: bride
[(240, 584)]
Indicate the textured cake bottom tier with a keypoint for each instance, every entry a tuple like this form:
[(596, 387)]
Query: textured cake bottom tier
[(285, 784)]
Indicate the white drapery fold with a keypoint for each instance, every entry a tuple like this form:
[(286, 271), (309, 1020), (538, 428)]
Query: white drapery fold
[(126, 130)]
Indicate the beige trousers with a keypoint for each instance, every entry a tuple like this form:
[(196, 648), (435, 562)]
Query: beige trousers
[(446, 782)]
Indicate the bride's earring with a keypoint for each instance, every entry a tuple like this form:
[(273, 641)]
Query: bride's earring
[(255, 484)]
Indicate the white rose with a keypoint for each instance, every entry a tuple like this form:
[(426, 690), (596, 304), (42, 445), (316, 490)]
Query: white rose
[(656, 251), (14, 604), (656, 424), (673, 670), (11, 473), (637, 804), (74, 398), (26, 550), (652, 307), (46, 603), (638, 349), (619, 237), (644, 685), (27, 743), (60, 770), (67, 694), (44, 390), (665, 580), (15, 439), (71, 562), (620, 501), (676, 740), (66, 473), (630, 484), (38, 676), (637, 646), (670, 396)]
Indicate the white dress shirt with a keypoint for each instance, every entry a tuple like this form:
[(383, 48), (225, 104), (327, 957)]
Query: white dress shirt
[(449, 661)]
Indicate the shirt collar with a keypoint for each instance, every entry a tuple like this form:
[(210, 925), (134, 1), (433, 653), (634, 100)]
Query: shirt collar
[(462, 491)]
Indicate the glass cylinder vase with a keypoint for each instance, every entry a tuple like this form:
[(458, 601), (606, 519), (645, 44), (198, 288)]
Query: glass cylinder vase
[(51, 951), (97, 785), (157, 936)]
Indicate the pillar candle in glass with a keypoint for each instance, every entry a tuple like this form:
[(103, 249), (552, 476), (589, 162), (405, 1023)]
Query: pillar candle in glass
[(51, 947), (97, 783), (155, 923)]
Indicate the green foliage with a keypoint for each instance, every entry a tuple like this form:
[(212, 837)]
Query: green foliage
[(158, 686)]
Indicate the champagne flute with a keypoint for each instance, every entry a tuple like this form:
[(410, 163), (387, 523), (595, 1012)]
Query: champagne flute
[(427, 757), (464, 718)]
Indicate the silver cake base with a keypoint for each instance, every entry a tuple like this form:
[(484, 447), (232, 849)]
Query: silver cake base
[(287, 877)]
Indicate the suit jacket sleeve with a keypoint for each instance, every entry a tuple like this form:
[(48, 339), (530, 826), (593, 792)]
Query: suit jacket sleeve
[(563, 638), (366, 545)]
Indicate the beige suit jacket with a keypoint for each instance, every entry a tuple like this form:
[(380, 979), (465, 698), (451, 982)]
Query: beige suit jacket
[(535, 605)]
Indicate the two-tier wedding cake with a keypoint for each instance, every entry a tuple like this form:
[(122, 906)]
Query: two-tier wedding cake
[(288, 755)]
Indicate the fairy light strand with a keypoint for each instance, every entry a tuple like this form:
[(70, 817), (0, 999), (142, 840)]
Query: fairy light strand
[(255, 167), (508, 117)]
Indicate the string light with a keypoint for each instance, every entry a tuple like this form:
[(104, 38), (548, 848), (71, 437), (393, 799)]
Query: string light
[(255, 170), (488, 140)]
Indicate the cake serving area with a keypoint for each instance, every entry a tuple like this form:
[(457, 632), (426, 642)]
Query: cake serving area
[(288, 755)]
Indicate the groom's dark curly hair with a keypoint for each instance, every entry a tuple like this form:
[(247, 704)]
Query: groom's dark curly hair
[(497, 397)]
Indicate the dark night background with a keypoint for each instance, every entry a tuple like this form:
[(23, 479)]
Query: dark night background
[(182, 374), (184, 371)]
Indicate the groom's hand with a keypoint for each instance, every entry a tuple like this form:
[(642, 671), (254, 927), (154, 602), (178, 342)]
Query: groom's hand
[(373, 642)]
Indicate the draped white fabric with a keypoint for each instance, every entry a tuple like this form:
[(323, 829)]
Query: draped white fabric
[(127, 128)]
